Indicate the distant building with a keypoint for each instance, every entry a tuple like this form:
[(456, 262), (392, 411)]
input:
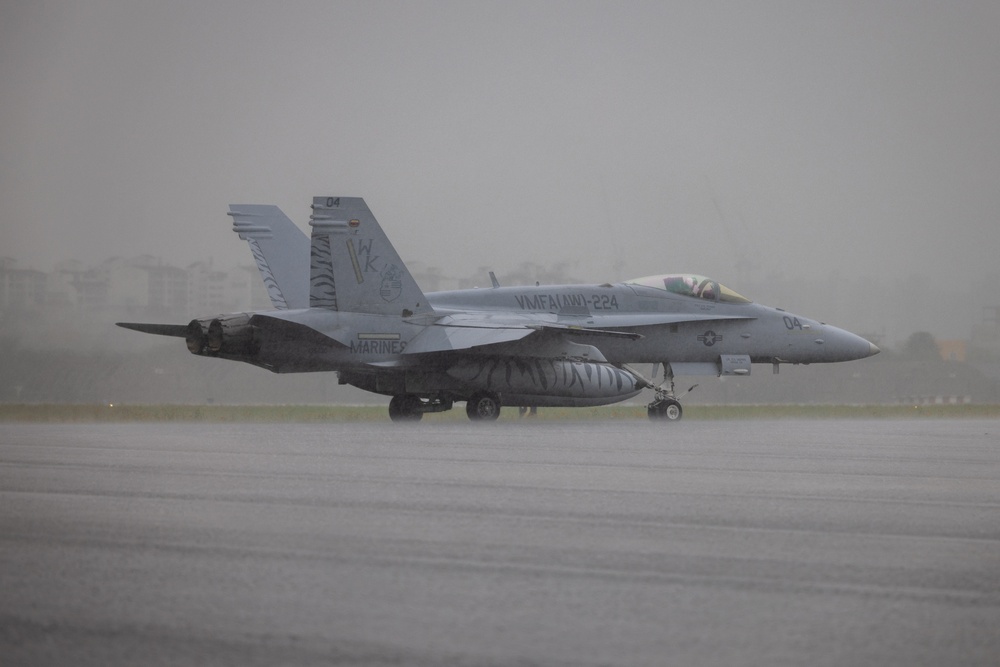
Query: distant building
[(21, 288), (167, 288), (986, 334), (135, 284), (952, 350), (212, 292), (206, 288)]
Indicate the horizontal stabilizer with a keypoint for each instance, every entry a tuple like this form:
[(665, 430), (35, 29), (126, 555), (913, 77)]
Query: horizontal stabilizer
[(178, 330)]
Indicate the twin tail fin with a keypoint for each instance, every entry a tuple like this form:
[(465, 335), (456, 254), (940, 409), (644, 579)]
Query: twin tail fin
[(353, 266), (280, 249)]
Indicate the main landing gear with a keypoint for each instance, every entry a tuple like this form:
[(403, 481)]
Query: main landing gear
[(482, 406), (411, 408)]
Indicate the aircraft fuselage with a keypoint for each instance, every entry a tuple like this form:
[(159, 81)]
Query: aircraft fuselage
[(362, 314), (763, 333)]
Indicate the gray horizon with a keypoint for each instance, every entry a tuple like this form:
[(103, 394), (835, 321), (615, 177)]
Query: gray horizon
[(773, 143)]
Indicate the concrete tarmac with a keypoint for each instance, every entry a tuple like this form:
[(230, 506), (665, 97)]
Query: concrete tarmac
[(518, 543)]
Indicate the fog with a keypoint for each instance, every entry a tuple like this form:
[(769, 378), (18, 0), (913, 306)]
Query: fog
[(841, 159)]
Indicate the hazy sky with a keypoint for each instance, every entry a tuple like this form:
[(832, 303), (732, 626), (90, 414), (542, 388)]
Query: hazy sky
[(859, 135)]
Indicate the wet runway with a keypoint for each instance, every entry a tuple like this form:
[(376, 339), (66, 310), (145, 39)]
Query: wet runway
[(608, 543)]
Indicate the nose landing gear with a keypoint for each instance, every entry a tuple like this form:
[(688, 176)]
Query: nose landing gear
[(666, 405), (668, 409)]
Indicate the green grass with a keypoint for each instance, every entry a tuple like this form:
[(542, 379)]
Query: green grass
[(56, 413)]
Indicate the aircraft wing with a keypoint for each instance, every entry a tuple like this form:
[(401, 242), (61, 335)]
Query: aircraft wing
[(461, 332), (451, 338), (467, 330), (651, 319)]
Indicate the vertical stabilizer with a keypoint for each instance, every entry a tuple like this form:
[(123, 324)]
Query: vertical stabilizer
[(353, 266), (280, 249)]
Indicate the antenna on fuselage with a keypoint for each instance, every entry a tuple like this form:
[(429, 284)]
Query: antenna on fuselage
[(493, 279)]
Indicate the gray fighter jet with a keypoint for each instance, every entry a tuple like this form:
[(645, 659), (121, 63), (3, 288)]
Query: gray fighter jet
[(345, 302)]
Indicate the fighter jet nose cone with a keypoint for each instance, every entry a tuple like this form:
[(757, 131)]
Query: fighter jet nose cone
[(873, 349)]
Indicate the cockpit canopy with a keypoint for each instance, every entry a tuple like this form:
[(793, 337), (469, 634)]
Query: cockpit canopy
[(689, 284)]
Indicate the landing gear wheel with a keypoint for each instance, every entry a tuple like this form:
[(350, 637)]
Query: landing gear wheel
[(405, 408), (668, 409), (483, 406)]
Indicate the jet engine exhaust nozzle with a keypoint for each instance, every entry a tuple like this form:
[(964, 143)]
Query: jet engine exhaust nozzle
[(229, 335)]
